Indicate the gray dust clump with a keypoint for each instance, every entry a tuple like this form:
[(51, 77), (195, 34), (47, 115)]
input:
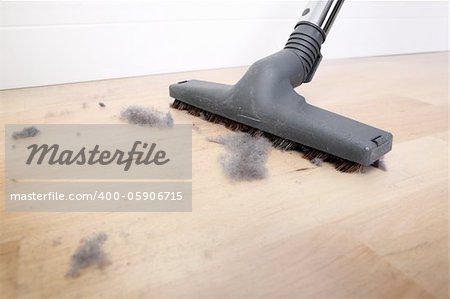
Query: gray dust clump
[(26, 132), (149, 117), (317, 161), (380, 164), (246, 156), (88, 253)]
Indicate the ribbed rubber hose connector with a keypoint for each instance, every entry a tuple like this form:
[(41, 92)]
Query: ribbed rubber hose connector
[(306, 41)]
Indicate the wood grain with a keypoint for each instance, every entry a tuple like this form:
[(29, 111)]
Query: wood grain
[(304, 232)]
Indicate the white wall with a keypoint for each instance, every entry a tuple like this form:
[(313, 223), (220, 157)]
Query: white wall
[(50, 42)]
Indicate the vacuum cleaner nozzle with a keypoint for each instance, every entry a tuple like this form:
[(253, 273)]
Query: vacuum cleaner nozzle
[(265, 100)]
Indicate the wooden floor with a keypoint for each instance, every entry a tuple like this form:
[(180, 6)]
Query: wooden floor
[(314, 233)]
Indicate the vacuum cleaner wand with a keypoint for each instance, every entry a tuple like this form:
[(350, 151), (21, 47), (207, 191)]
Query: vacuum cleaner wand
[(317, 12), (322, 13), (264, 101)]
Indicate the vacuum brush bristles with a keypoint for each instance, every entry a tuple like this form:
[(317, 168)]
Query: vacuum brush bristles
[(264, 102)]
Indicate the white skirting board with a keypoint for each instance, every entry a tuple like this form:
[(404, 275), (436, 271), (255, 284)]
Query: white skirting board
[(52, 42)]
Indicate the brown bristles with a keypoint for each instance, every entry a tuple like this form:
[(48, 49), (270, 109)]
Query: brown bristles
[(283, 144)]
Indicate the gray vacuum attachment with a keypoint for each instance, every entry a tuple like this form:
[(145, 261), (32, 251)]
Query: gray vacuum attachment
[(265, 99)]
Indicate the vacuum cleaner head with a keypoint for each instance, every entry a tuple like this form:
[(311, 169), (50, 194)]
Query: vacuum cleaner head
[(264, 100)]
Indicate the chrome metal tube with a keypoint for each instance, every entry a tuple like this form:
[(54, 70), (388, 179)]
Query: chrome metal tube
[(322, 13), (316, 12)]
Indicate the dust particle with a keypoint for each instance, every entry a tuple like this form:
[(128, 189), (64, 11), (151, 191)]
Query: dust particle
[(56, 242), (196, 128), (380, 164), (26, 133), (88, 253), (317, 161), (149, 117)]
